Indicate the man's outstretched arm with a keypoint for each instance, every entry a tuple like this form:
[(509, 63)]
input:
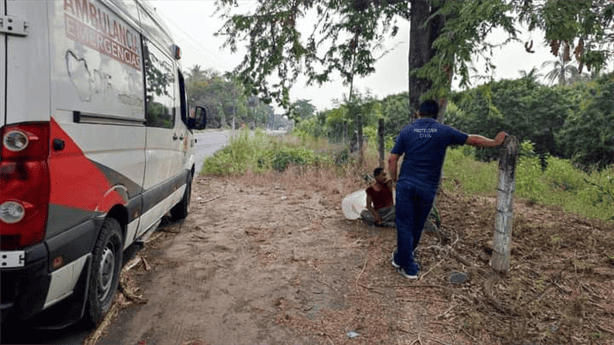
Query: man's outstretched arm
[(480, 141)]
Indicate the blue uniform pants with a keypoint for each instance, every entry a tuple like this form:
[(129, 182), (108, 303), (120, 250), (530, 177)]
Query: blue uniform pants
[(413, 205)]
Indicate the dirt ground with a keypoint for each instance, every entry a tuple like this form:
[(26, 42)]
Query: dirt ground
[(271, 260)]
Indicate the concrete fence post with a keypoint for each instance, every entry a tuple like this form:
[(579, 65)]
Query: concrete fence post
[(500, 261)]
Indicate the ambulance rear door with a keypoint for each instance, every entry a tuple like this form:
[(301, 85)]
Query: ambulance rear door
[(2, 65), (24, 66)]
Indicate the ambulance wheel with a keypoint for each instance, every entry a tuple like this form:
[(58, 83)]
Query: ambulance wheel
[(180, 211), (104, 275)]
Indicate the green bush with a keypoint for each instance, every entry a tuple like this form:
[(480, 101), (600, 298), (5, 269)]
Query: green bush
[(560, 184), (285, 156), (370, 133), (528, 178), (259, 152), (526, 149), (473, 176), (586, 136), (562, 175), (343, 157), (598, 192), (244, 151), (307, 127)]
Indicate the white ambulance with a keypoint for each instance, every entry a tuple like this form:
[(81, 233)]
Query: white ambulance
[(97, 146)]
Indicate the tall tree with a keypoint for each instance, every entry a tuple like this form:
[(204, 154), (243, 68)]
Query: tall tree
[(396, 112), (346, 36), (195, 73), (586, 136), (562, 70), (581, 28), (301, 110), (423, 32), (224, 97), (444, 38), (531, 75)]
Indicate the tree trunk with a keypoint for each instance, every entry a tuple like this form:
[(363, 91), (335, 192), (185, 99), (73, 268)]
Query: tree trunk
[(422, 34), (419, 51), (421, 38), (505, 203)]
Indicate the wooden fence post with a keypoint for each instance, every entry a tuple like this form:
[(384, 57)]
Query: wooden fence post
[(380, 135), (359, 138), (500, 261)]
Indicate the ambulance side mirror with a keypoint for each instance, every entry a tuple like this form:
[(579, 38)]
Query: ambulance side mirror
[(199, 121)]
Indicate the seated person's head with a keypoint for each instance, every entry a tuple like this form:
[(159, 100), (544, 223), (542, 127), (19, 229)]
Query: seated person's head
[(380, 175)]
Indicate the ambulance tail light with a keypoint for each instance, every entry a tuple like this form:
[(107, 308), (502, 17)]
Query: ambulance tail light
[(27, 142), (24, 184)]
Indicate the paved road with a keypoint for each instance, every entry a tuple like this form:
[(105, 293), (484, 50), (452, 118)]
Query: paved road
[(207, 143)]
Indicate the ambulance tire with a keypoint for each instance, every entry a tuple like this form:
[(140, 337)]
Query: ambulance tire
[(106, 267), (180, 211)]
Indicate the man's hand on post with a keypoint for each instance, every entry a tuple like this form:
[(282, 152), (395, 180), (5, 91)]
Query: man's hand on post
[(480, 141), (500, 138)]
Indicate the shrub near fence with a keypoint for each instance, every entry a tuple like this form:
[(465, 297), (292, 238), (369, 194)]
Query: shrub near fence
[(260, 153), (244, 151), (560, 184)]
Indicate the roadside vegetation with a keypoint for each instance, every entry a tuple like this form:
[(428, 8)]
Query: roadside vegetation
[(559, 289), (257, 152), (590, 194), (572, 122)]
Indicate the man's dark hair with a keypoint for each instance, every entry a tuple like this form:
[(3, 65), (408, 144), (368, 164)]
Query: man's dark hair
[(377, 171), (429, 108)]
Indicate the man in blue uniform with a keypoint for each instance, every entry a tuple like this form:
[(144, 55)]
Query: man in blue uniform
[(424, 144)]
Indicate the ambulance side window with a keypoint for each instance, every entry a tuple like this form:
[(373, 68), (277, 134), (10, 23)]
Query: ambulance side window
[(159, 82), (182, 97)]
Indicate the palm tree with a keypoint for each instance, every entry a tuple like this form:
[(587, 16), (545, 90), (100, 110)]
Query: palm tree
[(195, 71), (532, 75), (563, 70)]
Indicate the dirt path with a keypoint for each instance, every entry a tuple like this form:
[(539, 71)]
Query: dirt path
[(271, 260), (265, 264)]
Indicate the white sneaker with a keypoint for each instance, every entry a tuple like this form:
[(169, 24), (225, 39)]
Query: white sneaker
[(407, 275), (394, 264)]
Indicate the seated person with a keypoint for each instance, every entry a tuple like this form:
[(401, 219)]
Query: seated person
[(380, 204)]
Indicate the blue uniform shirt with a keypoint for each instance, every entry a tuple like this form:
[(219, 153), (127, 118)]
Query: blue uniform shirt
[(424, 144)]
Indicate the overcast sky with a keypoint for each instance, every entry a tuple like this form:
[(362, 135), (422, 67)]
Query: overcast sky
[(193, 24)]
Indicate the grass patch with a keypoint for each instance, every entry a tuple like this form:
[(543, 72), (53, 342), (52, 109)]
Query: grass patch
[(588, 194), (462, 171), (259, 153), (244, 151)]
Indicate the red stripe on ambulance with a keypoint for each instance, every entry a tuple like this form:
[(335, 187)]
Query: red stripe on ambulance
[(75, 181)]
